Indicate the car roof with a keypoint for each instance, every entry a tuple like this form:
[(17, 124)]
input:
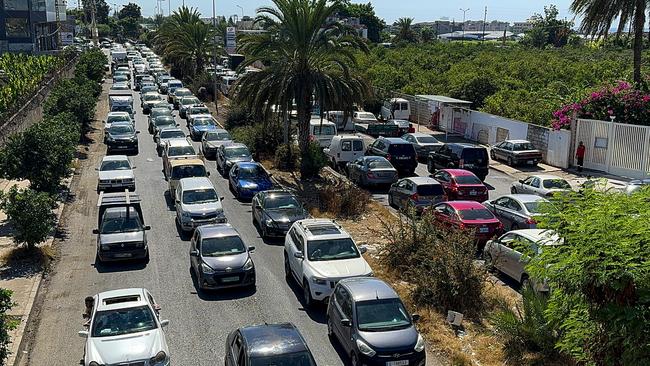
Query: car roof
[(395, 140), (546, 176), (526, 197), (119, 114), (248, 164), (458, 172), (114, 158), (234, 145), (317, 122), (179, 142), (423, 180), (167, 129), (272, 339), (368, 288), (119, 299), (517, 141), (539, 235), (179, 162), (215, 230), (195, 183), (217, 130), (278, 192), (465, 145), (465, 205), (322, 228), (420, 134)]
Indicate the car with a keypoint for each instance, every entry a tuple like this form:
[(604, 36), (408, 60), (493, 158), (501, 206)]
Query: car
[(201, 124), (516, 152), (416, 193), (120, 86), (364, 117), (120, 78), (149, 100), (636, 185), (245, 179), (117, 117), (371, 170), (186, 111), (121, 136), (460, 156), (509, 254), (165, 134), (179, 93), (268, 344), (184, 168), (154, 114), (162, 122), (461, 184), (229, 154), (171, 86), (400, 153), (220, 259), (274, 211), (344, 149), (115, 172), (197, 203), (516, 211), (125, 328), (403, 125), (211, 141), (176, 149), (423, 143), (468, 215), (541, 184), (147, 87), (317, 254), (369, 320), (121, 232)]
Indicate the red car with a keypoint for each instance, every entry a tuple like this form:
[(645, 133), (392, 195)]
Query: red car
[(468, 215), (460, 184)]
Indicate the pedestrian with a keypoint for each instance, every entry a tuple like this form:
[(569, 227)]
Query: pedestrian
[(580, 155)]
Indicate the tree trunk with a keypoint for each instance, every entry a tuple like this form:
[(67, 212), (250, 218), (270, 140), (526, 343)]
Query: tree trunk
[(639, 22), (621, 24), (303, 104)]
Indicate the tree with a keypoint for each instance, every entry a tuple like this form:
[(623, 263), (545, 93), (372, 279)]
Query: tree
[(600, 275), (30, 214), (7, 323), (598, 16), (367, 17), (130, 10), (307, 59), (101, 11), (427, 34), (549, 29), (405, 32)]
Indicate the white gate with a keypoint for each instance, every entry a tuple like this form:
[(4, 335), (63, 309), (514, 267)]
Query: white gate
[(615, 148), (558, 145)]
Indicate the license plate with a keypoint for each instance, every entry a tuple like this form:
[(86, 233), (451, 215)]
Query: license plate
[(123, 255), (472, 193), (530, 162), (483, 230), (121, 147), (229, 279), (402, 157), (397, 363)]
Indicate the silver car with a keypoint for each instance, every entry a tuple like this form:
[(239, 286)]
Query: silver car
[(371, 170), (115, 172), (423, 143), (541, 185), (164, 135), (636, 185), (416, 192), (516, 211), (211, 141), (507, 253)]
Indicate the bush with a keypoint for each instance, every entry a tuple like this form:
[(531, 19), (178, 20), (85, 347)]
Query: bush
[(286, 157), (314, 160), (238, 115), (7, 323), (261, 139), (439, 263), (30, 214), (72, 95), (91, 65), (344, 200)]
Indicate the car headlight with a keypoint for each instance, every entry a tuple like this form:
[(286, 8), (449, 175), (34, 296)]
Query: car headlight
[(419, 345), (110, 138), (206, 269), (158, 359), (318, 280), (248, 265), (228, 163), (365, 349), (105, 247), (269, 222)]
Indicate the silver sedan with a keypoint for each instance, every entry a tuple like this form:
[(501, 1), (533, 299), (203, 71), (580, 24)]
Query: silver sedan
[(541, 185), (516, 211), (371, 170)]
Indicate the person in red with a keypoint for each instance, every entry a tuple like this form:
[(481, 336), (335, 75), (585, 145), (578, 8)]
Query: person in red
[(580, 155)]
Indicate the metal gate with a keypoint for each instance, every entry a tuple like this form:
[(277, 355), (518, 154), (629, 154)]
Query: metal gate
[(615, 148)]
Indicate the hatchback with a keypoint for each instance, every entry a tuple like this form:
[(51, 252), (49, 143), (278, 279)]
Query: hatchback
[(400, 153), (460, 184), (468, 215), (416, 192), (245, 179)]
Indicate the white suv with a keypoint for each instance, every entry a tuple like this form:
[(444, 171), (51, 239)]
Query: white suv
[(318, 253)]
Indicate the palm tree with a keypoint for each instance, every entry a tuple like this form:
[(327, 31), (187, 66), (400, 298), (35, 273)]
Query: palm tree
[(405, 32), (307, 59), (598, 16)]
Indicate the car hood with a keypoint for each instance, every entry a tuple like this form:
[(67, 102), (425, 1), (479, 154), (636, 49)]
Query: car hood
[(132, 236), (227, 261), (115, 174), (216, 144), (342, 268), (399, 341), (201, 208), (286, 215), (239, 159), (122, 136), (124, 348)]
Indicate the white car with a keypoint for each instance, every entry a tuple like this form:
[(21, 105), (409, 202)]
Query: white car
[(541, 185), (197, 203), (125, 328), (117, 117), (318, 253), (115, 172)]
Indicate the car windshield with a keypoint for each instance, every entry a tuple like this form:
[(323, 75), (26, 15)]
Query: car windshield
[(118, 118), (120, 86), (366, 116), (172, 134), (149, 97), (382, 315), (467, 179), (121, 108), (119, 78), (160, 112), (148, 88), (427, 140), (165, 120), (115, 165), (217, 136), (182, 93), (556, 183), (118, 221), (110, 323), (181, 150), (234, 152), (281, 202), (253, 172), (188, 171), (332, 249), (203, 122), (522, 146), (188, 101), (199, 196), (430, 190), (324, 130), (379, 164), (121, 129), (289, 359), (476, 214), (218, 247), (199, 111)]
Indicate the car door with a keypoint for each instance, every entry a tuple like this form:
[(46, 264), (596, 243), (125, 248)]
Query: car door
[(525, 185), (500, 208), (336, 313), (256, 207), (501, 252), (357, 149), (236, 352), (220, 157), (444, 179), (296, 244), (536, 187), (346, 313), (517, 217), (442, 214), (399, 194), (443, 157), (232, 176), (195, 245)]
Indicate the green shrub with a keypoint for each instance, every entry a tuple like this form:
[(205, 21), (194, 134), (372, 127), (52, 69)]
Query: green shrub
[(344, 200), (286, 157), (238, 115), (30, 215), (76, 96), (91, 65), (7, 323), (261, 139), (314, 160)]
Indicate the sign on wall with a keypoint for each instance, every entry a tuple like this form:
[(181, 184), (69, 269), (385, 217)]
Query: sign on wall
[(231, 39)]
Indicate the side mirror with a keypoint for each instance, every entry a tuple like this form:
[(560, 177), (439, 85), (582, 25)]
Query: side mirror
[(346, 322), (97, 169), (177, 125), (164, 323), (137, 132), (270, 175), (299, 255), (415, 317), (133, 167), (363, 249), (194, 253), (95, 231), (83, 333), (188, 135), (147, 227), (251, 248), (207, 174), (521, 181), (221, 198)]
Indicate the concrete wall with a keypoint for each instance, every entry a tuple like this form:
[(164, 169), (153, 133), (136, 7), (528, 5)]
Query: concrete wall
[(497, 128)]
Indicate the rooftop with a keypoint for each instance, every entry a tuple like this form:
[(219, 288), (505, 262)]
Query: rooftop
[(118, 299), (368, 288), (444, 99)]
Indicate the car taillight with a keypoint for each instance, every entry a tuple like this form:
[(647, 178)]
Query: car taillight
[(531, 221), (453, 187), (388, 156), (461, 163), (462, 225), (414, 197), (370, 175), (500, 226)]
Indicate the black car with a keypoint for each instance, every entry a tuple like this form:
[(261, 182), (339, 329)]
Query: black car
[(268, 344), (158, 123), (121, 136), (228, 155), (372, 325), (460, 156), (399, 152), (275, 211)]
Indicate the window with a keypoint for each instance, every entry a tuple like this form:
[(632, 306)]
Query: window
[(346, 146), (503, 202), (442, 177), (110, 323), (535, 183), (297, 240), (16, 5), (332, 249), (17, 27), (476, 214), (382, 315), (346, 304), (514, 205), (507, 240), (528, 181), (357, 145), (467, 179)]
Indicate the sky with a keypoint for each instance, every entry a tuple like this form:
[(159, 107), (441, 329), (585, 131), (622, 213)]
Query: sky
[(389, 10)]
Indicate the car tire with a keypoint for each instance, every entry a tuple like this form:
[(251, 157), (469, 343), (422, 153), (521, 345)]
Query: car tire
[(390, 200), (287, 267), (306, 294), (513, 190), (353, 359), (146, 258), (489, 263), (510, 161), (430, 167)]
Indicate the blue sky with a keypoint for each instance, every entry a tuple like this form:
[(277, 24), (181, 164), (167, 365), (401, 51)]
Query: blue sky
[(390, 10)]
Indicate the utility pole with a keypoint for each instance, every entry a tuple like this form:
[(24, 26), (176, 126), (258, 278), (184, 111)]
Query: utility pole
[(484, 20), (58, 23), (242, 10), (214, 59), (93, 22), (464, 12)]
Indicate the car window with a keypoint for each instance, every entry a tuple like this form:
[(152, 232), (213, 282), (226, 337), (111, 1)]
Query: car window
[(346, 304), (514, 205), (507, 146), (281, 202), (188, 171), (346, 146), (254, 172), (442, 209), (503, 202), (402, 184), (467, 179), (522, 146), (379, 164), (331, 249), (441, 176), (180, 151), (427, 140), (297, 239), (117, 221), (302, 358), (110, 323), (115, 165), (528, 181), (357, 145), (535, 182), (508, 239), (198, 196), (556, 183)]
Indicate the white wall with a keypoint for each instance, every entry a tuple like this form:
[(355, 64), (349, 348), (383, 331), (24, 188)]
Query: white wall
[(485, 121)]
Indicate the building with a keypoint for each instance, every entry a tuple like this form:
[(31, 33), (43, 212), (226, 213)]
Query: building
[(439, 26), (521, 27), (354, 23), (493, 26), (30, 25)]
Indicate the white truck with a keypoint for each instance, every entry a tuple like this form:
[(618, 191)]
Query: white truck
[(396, 108), (121, 103), (344, 149), (322, 131)]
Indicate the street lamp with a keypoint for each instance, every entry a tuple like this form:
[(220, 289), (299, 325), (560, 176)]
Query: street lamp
[(242, 10), (464, 11)]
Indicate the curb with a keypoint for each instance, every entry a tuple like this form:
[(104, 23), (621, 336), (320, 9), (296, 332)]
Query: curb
[(498, 168)]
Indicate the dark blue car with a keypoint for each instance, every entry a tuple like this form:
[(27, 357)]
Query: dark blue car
[(248, 178), (200, 125)]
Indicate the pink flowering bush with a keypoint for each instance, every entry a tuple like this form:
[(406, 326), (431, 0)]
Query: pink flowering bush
[(621, 101)]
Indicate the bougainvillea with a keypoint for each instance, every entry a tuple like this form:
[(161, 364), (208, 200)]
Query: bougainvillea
[(620, 102)]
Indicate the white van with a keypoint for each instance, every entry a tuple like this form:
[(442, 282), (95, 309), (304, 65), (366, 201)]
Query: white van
[(337, 118), (344, 149), (322, 131), (226, 83), (396, 108)]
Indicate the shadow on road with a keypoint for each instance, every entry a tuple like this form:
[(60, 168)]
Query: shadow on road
[(125, 266), (345, 358), (171, 205), (221, 295), (317, 312)]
